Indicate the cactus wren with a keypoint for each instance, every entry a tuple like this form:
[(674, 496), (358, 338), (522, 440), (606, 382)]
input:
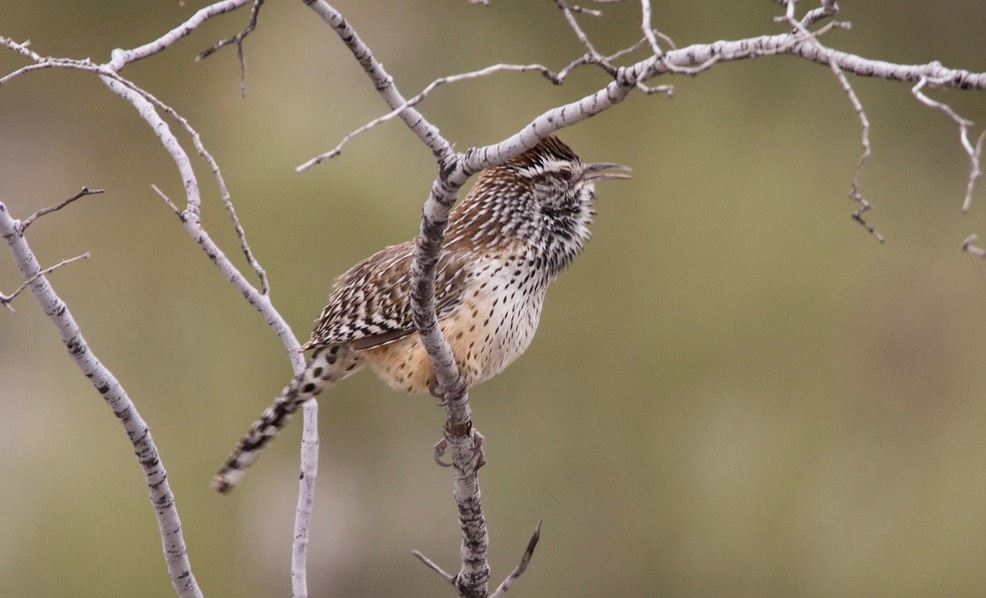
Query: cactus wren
[(515, 231)]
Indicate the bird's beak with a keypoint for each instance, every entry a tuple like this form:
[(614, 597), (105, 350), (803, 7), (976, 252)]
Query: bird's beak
[(596, 171)]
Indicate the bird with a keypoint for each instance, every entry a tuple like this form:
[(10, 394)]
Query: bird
[(517, 229)]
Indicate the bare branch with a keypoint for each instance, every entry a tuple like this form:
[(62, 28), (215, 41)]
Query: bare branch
[(155, 476), (84, 192), (306, 495), (463, 440)]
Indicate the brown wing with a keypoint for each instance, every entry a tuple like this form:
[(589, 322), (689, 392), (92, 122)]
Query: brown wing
[(370, 304)]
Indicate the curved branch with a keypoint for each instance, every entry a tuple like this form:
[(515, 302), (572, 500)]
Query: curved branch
[(162, 499), (192, 222)]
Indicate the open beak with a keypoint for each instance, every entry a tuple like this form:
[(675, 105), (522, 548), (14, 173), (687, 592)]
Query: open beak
[(597, 171)]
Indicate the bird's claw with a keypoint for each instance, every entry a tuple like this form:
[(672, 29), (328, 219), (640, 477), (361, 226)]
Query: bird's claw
[(479, 459), (436, 391), (439, 452)]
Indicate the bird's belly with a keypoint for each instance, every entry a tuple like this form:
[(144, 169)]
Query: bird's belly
[(492, 326)]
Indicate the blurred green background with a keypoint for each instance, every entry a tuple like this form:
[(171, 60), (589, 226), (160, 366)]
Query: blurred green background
[(734, 392)]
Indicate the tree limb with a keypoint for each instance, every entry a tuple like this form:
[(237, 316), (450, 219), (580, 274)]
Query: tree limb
[(161, 497)]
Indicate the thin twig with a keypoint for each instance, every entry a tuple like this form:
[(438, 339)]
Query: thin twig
[(857, 106), (592, 12), (167, 200), (423, 94), (193, 208), (864, 155), (84, 192), (975, 171), (647, 26), (238, 40), (7, 299), (577, 29), (433, 566), (525, 560)]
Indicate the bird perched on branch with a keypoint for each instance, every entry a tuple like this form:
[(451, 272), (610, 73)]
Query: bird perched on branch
[(513, 234)]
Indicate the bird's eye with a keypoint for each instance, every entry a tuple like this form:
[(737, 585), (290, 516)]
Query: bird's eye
[(565, 174)]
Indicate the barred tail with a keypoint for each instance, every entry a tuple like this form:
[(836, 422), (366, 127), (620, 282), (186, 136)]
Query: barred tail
[(328, 366)]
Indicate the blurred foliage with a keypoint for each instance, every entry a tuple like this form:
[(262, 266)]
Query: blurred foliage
[(735, 391)]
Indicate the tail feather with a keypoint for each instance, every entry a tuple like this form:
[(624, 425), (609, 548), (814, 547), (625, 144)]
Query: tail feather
[(328, 365)]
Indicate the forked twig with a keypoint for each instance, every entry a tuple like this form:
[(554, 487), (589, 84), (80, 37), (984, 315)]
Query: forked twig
[(857, 106), (238, 40), (974, 152)]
